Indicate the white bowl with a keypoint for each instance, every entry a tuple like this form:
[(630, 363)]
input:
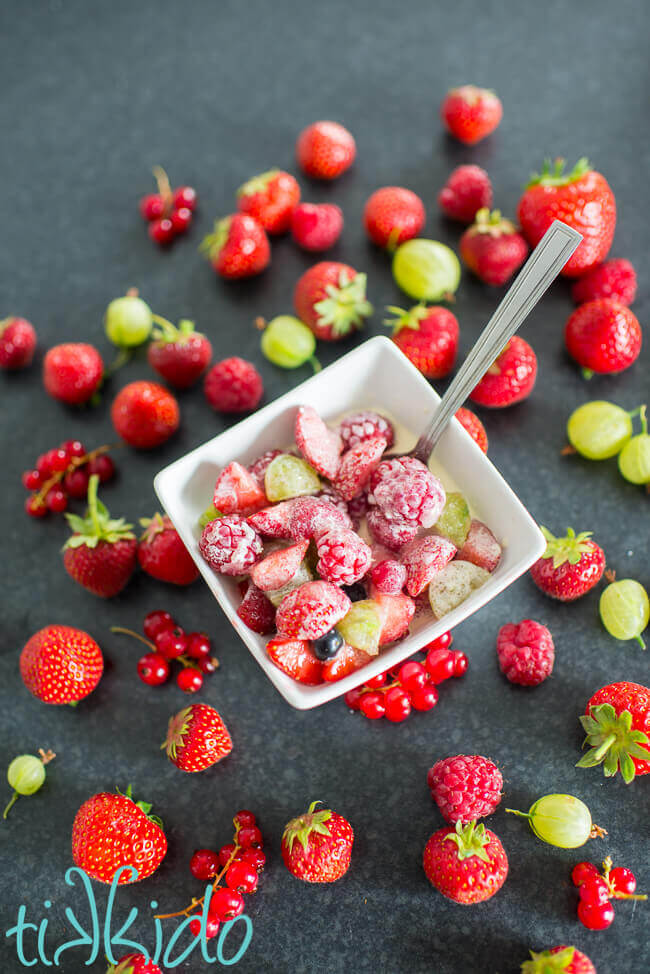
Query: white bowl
[(376, 375)]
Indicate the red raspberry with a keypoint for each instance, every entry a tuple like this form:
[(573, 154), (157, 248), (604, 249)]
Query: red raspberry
[(17, 343), (343, 557), (415, 496), (603, 336), (313, 516), (423, 558), (465, 787), (510, 378), (72, 372), (311, 610), (233, 386), (467, 191), (388, 576), (325, 150), (526, 652), (391, 468), (256, 611), (615, 279), (331, 494), (258, 467), (230, 545), (362, 426), (316, 226), (358, 508), (391, 534), (474, 427), (357, 465)]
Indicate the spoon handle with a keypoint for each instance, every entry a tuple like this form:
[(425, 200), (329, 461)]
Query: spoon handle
[(546, 261)]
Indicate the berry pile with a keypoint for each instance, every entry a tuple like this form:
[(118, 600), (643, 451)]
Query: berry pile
[(169, 211), (597, 890), (64, 472)]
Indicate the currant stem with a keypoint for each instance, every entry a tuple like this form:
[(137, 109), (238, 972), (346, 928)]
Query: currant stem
[(596, 832), (568, 451), (74, 463), (14, 799), (164, 186), (136, 635), (217, 879)]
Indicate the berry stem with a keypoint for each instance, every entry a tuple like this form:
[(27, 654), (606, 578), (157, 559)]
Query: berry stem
[(136, 635), (601, 751), (217, 879), (513, 811), (169, 329), (164, 187), (597, 832), (12, 802), (56, 478), (122, 357)]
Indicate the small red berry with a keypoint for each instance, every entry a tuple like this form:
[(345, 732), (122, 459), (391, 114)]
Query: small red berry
[(594, 890), (372, 705), (353, 698), (43, 465), (152, 206), (596, 916), (198, 645), (249, 837), (460, 664), (76, 482), (398, 705), (412, 676), (103, 466), (17, 343), (325, 150), (156, 622), (73, 448), (56, 500), (226, 903), (162, 231), (254, 857), (212, 926), (204, 864), (316, 226), (58, 460), (233, 386), (467, 191), (425, 698), (153, 669), (35, 507), (245, 819), (582, 872), (440, 664), (376, 682), (171, 643), (242, 876), (623, 880), (189, 680), (225, 852), (208, 664), (181, 219), (31, 479), (185, 197)]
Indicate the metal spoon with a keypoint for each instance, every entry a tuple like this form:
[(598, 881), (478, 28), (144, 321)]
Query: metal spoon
[(544, 264)]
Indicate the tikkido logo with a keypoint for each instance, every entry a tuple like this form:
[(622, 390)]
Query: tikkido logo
[(31, 937)]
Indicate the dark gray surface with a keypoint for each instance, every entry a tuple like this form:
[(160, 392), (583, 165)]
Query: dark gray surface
[(91, 97)]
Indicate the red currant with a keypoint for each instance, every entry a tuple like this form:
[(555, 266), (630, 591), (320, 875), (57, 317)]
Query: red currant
[(103, 466), (582, 872), (43, 465), (152, 206), (372, 706), (212, 926), (204, 864), (398, 705), (208, 664), (597, 916), (244, 819), (198, 645), (441, 642), (594, 890), (440, 664), (74, 448), (412, 676), (56, 500), (31, 479), (153, 669), (623, 880), (58, 460), (249, 837), (225, 852), (189, 680), (254, 857), (460, 664), (172, 643), (162, 231), (376, 682), (226, 903), (35, 506), (76, 482), (242, 876), (156, 622), (181, 219), (425, 698), (195, 926), (185, 197), (353, 698)]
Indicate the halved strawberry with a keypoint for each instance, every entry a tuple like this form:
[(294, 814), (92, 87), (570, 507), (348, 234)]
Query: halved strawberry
[(356, 466), (256, 611), (314, 516), (423, 558), (347, 660), (296, 658), (319, 445), (481, 547), (237, 490), (396, 612), (278, 568), (275, 521)]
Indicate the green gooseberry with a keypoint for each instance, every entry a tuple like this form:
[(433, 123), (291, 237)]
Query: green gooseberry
[(426, 269), (128, 321), (288, 342), (26, 774), (560, 820)]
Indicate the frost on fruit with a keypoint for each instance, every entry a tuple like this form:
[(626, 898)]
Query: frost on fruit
[(453, 585), (288, 476), (304, 574), (361, 627), (455, 519), (481, 547)]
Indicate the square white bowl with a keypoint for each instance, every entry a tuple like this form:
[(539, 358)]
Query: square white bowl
[(375, 375)]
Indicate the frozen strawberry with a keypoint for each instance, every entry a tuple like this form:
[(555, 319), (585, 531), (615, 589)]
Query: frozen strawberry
[(256, 611), (388, 577), (510, 378), (481, 547), (467, 190), (275, 521), (423, 558), (615, 279), (313, 516), (396, 612), (237, 490), (331, 494), (343, 557), (230, 545), (357, 465), (362, 426), (296, 658), (279, 567), (415, 496), (319, 445), (311, 610), (347, 660), (258, 467), (392, 534)]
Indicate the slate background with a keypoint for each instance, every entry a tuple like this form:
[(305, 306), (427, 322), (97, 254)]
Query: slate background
[(91, 97)]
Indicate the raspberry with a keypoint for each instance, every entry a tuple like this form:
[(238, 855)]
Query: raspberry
[(313, 516), (343, 557), (481, 547), (358, 508), (230, 545), (391, 534), (526, 652), (615, 279), (233, 386), (258, 467), (417, 497), (316, 226), (362, 426), (423, 558), (465, 787), (388, 576), (388, 469), (467, 190), (319, 445), (311, 610), (331, 494), (256, 611), (357, 465)]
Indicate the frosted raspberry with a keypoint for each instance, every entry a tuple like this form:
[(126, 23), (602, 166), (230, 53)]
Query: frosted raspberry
[(256, 611), (423, 558), (258, 467), (362, 426), (526, 652), (414, 496), (343, 557), (358, 508), (311, 610), (332, 495), (313, 516), (388, 576), (230, 545), (357, 465), (388, 469), (391, 534), (465, 787)]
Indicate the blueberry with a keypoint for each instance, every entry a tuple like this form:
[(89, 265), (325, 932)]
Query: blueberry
[(355, 592), (328, 645)]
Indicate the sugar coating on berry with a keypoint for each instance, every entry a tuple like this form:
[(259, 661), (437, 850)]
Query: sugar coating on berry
[(279, 567), (230, 545), (362, 426), (415, 496), (481, 547), (526, 652), (275, 521), (388, 469), (391, 534), (465, 787), (343, 557), (423, 559), (319, 445), (311, 610), (388, 576), (313, 516), (256, 611), (357, 466), (236, 490), (332, 495), (258, 467)]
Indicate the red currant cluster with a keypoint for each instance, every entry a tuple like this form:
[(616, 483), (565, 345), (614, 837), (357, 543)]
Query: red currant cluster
[(64, 472), (595, 910), (167, 642), (395, 693), (238, 864), (169, 211)]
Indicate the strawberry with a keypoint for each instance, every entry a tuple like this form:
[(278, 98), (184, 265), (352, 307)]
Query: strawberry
[(615, 279), (110, 832), (480, 547), (271, 198), (179, 354), (617, 725), (313, 516), (275, 521), (510, 378), (467, 190), (428, 336), (17, 343), (357, 464), (396, 612), (347, 660), (316, 226), (162, 554), (325, 150), (239, 247), (603, 336), (470, 421), (60, 664), (317, 845), (470, 113), (331, 299), (145, 414), (392, 215), (134, 964), (237, 490), (467, 864), (256, 611), (320, 446), (296, 658), (492, 248), (311, 610), (423, 558), (73, 372), (570, 566), (558, 960), (233, 386), (101, 552), (197, 738), (278, 568), (582, 199)]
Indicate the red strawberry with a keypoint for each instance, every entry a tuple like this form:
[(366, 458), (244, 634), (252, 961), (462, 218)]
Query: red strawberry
[(510, 378), (492, 248), (474, 427), (17, 343), (570, 566), (467, 864), (113, 831), (396, 613), (467, 191), (317, 845), (558, 960), (428, 336), (145, 414), (239, 247), (60, 664), (357, 464), (134, 964), (582, 199), (423, 558), (470, 113), (234, 386), (73, 372), (617, 725), (325, 150), (392, 215), (603, 336), (480, 547), (615, 279), (197, 738), (319, 445), (237, 490), (331, 299), (162, 554), (278, 568), (347, 660), (311, 610), (296, 658), (316, 226), (101, 552), (465, 787), (179, 354), (256, 611), (275, 521), (271, 198)]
